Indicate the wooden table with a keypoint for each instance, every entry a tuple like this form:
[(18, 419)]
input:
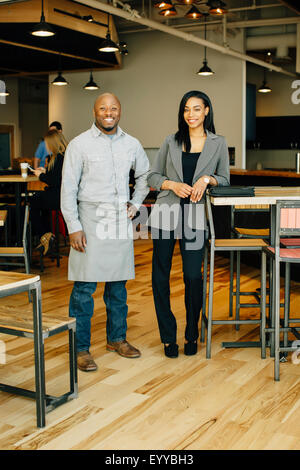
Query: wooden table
[(263, 195), (18, 180)]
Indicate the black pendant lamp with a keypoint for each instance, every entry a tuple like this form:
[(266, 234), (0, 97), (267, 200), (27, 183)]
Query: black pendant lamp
[(91, 85), (108, 45), (217, 7), (193, 13), (42, 29), (168, 11), (205, 70), (59, 80), (264, 88)]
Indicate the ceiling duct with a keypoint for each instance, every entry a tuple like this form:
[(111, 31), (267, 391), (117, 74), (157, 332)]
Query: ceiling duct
[(132, 15)]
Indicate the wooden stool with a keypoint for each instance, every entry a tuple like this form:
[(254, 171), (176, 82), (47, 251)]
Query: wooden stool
[(29, 324)]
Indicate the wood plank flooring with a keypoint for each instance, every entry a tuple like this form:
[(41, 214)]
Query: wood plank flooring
[(228, 402)]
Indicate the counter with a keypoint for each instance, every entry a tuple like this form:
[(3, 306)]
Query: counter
[(269, 173)]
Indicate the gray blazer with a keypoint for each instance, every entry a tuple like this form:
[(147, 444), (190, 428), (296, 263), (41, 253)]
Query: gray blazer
[(213, 161)]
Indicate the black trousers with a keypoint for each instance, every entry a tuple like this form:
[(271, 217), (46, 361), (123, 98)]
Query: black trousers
[(192, 275)]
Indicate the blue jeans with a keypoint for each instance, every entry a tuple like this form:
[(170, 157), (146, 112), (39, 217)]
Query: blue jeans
[(82, 308)]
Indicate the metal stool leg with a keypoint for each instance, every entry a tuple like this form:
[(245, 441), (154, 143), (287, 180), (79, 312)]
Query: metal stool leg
[(40, 391), (210, 303), (203, 317), (263, 305)]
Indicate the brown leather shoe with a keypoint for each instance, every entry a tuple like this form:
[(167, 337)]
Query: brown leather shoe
[(85, 362), (124, 349)]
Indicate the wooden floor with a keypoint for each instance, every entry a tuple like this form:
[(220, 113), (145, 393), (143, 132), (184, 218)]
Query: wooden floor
[(228, 402)]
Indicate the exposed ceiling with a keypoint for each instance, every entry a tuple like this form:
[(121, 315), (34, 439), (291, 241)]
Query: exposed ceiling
[(75, 45)]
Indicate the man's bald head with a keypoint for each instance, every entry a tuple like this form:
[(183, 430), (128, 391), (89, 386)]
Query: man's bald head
[(107, 112)]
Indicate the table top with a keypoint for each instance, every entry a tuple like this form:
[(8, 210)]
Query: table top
[(276, 173), (10, 280), (17, 179), (263, 195)]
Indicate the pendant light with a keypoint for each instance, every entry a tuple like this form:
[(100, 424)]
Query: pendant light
[(205, 71), (193, 13), (168, 12), (60, 80), (42, 29), (108, 45), (91, 85), (163, 4), (217, 7), (264, 88)]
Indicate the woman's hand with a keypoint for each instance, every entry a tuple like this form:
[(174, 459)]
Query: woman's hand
[(39, 170), (182, 190), (199, 188)]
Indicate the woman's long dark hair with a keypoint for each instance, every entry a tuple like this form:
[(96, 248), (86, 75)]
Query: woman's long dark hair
[(182, 136)]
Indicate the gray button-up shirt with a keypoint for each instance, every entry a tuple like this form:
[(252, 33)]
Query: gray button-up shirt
[(96, 169)]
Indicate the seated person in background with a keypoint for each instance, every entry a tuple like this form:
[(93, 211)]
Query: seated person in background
[(42, 153), (43, 202)]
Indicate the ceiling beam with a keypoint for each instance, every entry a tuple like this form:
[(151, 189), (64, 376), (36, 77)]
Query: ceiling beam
[(52, 72), (49, 51), (292, 5)]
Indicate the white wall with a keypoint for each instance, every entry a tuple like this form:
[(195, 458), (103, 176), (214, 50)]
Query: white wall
[(9, 112), (157, 72), (279, 101)]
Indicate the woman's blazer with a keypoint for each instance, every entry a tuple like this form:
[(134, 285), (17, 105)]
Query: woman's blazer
[(213, 161)]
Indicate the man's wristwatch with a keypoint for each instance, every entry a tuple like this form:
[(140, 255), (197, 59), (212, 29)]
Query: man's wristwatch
[(206, 180)]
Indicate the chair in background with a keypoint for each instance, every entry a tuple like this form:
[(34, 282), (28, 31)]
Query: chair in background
[(287, 225), (30, 324), (22, 252), (58, 227), (219, 245), (241, 229)]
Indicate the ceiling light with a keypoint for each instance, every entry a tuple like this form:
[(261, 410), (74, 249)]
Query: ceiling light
[(217, 7), (60, 80), (42, 29), (163, 4), (193, 13), (91, 85), (168, 12), (88, 18), (264, 88), (205, 71), (108, 45)]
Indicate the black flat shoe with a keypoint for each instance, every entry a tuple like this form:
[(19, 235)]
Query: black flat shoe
[(171, 350), (190, 348)]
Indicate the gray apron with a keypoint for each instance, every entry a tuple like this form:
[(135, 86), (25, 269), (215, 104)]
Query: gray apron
[(109, 252)]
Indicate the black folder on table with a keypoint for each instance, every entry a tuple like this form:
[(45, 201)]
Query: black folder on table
[(226, 191)]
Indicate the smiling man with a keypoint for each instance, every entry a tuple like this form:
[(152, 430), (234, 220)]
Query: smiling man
[(97, 208)]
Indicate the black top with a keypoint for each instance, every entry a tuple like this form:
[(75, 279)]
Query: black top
[(53, 177), (189, 162)]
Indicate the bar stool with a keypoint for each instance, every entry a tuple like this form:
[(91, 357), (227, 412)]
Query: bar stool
[(31, 325), (58, 226), (231, 244), (250, 233), (287, 224)]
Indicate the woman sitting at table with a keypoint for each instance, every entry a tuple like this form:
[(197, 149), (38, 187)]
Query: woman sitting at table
[(186, 164), (44, 201)]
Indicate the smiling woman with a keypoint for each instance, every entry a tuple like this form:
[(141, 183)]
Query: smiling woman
[(186, 164)]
